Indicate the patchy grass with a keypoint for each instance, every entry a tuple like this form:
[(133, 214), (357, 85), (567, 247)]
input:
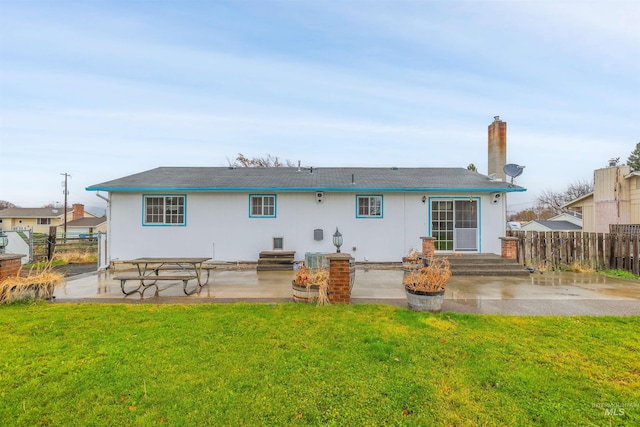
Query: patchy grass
[(43, 264), (296, 364), (578, 267), (620, 273), (78, 256)]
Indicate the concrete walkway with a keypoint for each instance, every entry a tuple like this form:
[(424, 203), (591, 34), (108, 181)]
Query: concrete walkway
[(538, 294)]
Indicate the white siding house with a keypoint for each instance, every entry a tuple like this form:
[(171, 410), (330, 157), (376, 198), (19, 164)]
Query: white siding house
[(232, 214)]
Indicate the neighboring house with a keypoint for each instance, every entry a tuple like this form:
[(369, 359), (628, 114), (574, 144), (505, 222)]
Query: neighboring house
[(572, 217), (615, 199), (87, 225), (39, 219), (549, 225), (562, 222)]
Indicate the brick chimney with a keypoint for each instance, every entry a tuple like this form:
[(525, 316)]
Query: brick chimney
[(497, 148), (78, 211)]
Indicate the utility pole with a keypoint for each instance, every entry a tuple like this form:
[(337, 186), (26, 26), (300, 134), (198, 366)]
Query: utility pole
[(66, 193)]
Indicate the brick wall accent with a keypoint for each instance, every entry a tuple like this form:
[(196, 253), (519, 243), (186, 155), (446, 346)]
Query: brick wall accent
[(10, 265), (428, 247), (339, 278), (509, 247)]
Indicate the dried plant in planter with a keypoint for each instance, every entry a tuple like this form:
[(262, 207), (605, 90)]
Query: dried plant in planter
[(37, 284), (413, 255), (412, 261), (432, 278), (314, 276)]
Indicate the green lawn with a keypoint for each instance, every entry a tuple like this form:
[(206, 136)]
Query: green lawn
[(289, 364)]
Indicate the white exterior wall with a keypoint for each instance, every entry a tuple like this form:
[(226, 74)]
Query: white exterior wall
[(218, 226)]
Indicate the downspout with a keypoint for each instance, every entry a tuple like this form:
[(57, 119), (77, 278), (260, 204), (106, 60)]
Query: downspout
[(108, 248), (106, 199)]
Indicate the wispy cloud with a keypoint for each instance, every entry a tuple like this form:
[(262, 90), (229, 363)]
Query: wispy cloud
[(360, 83)]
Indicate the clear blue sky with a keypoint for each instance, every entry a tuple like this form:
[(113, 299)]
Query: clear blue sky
[(104, 89)]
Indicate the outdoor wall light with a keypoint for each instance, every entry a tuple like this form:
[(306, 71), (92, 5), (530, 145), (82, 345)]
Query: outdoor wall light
[(337, 240), (4, 241)]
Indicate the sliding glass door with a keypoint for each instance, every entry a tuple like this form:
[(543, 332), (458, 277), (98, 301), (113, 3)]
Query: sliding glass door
[(454, 224)]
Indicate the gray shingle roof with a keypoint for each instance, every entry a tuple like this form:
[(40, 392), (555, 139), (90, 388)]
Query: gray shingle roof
[(306, 179), (33, 212), (559, 225), (87, 222)]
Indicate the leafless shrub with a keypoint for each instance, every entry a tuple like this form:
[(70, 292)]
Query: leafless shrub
[(432, 278), (38, 284)]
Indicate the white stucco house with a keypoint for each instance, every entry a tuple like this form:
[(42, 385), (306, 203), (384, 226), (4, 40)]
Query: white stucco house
[(232, 214)]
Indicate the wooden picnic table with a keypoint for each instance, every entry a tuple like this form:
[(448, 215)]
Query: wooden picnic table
[(149, 269)]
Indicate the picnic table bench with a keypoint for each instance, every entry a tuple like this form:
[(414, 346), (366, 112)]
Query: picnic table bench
[(154, 280), (149, 273), (207, 266)]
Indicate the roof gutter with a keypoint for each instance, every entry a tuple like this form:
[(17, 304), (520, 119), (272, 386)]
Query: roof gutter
[(307, 189)]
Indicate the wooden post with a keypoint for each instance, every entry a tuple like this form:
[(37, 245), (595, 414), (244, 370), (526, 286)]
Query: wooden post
[(51, 242), (633, 252)]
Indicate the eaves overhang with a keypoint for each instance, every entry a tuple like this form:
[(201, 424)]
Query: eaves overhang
[(465, 190), (634, 173), (579, 199)]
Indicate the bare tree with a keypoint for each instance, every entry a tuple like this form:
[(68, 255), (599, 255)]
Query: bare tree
[(260, 162), (523, 216), (4, 205), (578, 189), (554, 201)]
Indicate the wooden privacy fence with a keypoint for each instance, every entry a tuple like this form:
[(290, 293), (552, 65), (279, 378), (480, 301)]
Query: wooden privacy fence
[(554, 250)]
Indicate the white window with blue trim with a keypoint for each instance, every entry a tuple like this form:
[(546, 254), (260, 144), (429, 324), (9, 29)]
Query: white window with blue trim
[(164, 210), (262, 206), (369, 206)]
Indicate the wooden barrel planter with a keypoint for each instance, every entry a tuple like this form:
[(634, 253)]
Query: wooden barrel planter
[(425, 301), (303, 294), (410, 264)]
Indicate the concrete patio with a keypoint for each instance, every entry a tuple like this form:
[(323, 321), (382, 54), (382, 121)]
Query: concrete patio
[(537, 294)]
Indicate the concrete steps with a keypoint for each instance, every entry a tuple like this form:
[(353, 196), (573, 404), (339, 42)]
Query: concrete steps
[(483, 265), (276, 261)]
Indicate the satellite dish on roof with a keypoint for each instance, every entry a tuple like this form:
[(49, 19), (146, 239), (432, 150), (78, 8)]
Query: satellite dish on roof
[(513, 170)]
